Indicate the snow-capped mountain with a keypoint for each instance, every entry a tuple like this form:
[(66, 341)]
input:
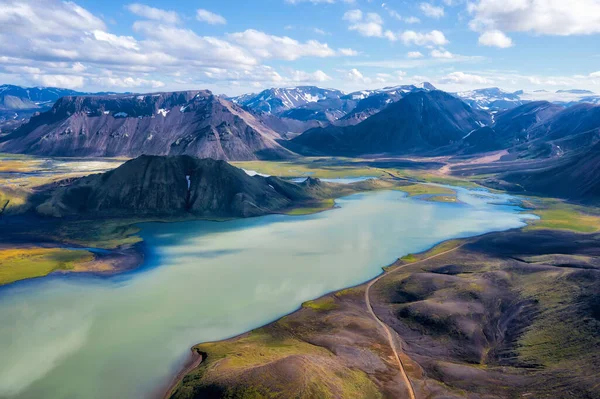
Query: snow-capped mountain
[(370, 102), (277, 100), (16, 97), (393, 90), (495, 99), (492, 99), (18, 103)]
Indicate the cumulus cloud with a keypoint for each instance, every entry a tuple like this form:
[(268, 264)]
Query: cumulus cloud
[(396, 15), (127, 82), (495, 38), (414, 54), (281, 47), (369, 24), (431, 10), (303, 77), (435, 37), (210, 17), (348, 52), (62, 44), (68, 81), (464, 78), (543, 17), (156, 14), (126, 42), (441, 53), (59, 19)]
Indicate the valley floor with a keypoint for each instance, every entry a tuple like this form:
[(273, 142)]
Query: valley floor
[(512, 314)]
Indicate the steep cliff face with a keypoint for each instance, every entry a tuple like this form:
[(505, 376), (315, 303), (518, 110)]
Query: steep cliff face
[(176, 185), (191, 122)]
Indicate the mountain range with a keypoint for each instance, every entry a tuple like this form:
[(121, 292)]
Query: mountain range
[(494, 99), (192, 122), (281, 123)]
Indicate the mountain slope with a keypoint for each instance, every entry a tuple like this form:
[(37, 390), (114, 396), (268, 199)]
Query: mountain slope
[(575, 178), (158, 185), (510, 127), (421, 121), (191, 122), (571, 130)]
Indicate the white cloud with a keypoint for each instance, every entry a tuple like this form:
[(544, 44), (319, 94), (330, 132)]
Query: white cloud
[(126, 42), (431, 10), (210, 17), (78, 67), (544, 17), (264, 45), (464, 78), (56, 19), (441, 53), (355, 75), (61, 44), (595, 75), (414, 54), (396, 15), (67, 81), (348, 52), (156, 14), (127, 82), (369, 24), (435, 37), (412, 20), (495, 38), (353, 15), (317, 76)]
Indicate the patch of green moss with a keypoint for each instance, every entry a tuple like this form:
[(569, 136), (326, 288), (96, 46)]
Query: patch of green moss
[(322, 304), (23, 263), (559, 215), (425, 189), (313, 208)]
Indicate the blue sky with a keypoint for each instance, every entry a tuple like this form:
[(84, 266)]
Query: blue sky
[(244, 46)]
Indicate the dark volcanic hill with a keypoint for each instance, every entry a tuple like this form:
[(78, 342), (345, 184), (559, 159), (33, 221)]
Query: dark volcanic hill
[(176, 185), (575, 178), (191, 122), (420, 122)]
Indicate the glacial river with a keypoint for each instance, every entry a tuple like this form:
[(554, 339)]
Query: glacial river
[(83, 336)]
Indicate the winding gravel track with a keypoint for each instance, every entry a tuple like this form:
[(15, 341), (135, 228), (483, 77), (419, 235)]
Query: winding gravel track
[(411, 391)]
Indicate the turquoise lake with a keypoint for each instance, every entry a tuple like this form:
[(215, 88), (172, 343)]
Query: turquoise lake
[(124, 336)]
